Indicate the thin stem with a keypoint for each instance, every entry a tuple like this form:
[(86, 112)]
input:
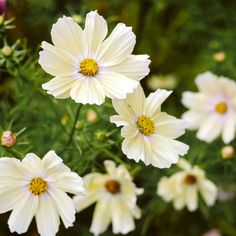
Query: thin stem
[(73, 128)]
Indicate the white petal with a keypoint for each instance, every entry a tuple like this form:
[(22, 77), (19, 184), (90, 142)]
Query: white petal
[(68, 35), (101, 217), (210, 129), (207, 82), (179, 202), (119, 120), (59, 87), (194, 118), (70, 183), (116, 85), (51, 159), (169, 126), (95, 31), (33, 164), (129, 132), (87, 90), (10, 198), (183, 164), (191, 198), (229, 129), (47, 217), (23, 214), (134, 67), (208, 191), (82, 202), (110, 167), (164, 152), (180, 148), (117, 47), (197, 101), (10, 167), (65, 206), (136, 100), (154, 101), (123, 109), (122, 220), (56, 61)]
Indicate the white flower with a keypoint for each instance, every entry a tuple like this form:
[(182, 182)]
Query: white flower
[(182, 187), (35, 187), (116, 197), (149, 133), (212, 110), (87, 67)]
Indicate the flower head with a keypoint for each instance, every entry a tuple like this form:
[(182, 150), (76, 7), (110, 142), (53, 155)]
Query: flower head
[(182, 187), (8, 139), (149, 133), (212, 110), (37, 187), (115, 195), (86, 66)]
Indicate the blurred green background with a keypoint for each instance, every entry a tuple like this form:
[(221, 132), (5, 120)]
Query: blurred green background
[(183, 39)]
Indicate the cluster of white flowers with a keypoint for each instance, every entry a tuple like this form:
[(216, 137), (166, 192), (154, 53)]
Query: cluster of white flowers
[(87, 67)]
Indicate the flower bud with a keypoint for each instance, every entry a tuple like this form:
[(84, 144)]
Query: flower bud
[(227, 152), (219, 56), (8, 139), (6, 51), (100, 136), (91, 115), (77, 18)]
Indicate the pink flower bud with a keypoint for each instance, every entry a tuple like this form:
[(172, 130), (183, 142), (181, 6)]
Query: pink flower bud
[(8, 139), (227, 152)]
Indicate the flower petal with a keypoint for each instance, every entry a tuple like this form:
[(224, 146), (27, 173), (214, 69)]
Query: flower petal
[(23, 213), (154, 101), (134, 67), (101, 217), (208, 191), (116, 85), (191, 198), (64, 205), (47, 217), (68, 35), (122, 220), (117, 47), (229, 129), (59, 87), (194, 118), (123, 109), (87, 90), (95, 31), (56, 61), (169, 126)]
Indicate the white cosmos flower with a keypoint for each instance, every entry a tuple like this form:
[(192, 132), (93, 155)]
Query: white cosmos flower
[(182, 187), (86, 66), (212, 110), (149, 133), (37, 187), (115, 195)]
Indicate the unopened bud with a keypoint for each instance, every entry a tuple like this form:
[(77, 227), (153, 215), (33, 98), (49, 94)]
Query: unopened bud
[(227, 152), (77, 18), (91, 115), (100, 136), (6, 51), (219, 56), (8, 139)]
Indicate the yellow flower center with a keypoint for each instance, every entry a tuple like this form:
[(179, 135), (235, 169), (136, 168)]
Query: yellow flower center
[(38, 186), (145, 125), (190, 179), (113, 186), (221, 107), (89, 67)]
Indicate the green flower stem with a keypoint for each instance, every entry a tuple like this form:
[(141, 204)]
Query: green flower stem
[(73, 128), (113, 156)]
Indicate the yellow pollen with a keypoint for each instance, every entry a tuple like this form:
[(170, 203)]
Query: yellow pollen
[(89, 67), (190, 179), (221, 107), (113, 186), (145, 125), (38, 186)]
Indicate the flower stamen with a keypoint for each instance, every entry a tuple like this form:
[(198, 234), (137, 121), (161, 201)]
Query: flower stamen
[(89, 67), (190, 179), (221, 107), (113, 186), (38, 186), (145, 125)]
